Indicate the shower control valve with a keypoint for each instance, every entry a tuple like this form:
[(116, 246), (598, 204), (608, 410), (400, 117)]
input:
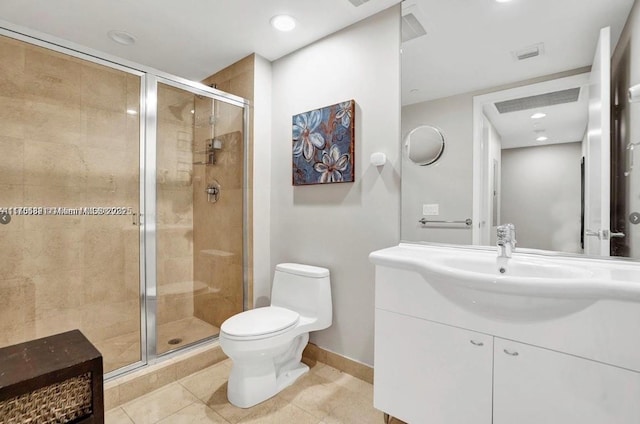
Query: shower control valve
[(213, 192)]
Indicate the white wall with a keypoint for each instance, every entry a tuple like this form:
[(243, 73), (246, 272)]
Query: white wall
[(338, 225), (448, 182), (261, 110), (541, 189)]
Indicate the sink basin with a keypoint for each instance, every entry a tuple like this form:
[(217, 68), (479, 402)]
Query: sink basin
[(511, 267), (523, 287)]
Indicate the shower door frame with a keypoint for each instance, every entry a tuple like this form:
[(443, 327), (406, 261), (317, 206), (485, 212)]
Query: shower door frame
[(150, 199), (149, 79)]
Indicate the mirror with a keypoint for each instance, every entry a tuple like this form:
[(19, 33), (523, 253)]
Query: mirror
[(476, 55), (529, 144), (424, 145)]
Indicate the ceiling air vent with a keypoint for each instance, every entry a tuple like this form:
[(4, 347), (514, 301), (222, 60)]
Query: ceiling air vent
[(529, 52), (411, 27), (541, 100), (357, 3)]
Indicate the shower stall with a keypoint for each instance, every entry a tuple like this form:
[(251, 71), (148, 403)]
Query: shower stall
[(123, 203)]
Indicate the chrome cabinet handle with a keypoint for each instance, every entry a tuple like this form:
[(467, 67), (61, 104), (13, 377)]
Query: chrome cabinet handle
[(476, 343), (616, 235), (510, 352)]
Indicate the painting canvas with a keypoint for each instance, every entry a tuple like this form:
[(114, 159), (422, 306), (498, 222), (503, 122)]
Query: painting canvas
[(323, 145)]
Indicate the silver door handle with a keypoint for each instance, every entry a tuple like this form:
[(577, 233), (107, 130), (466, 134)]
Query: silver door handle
[(592, 233), (604, 234)]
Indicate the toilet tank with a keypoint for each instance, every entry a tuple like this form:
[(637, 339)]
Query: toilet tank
[(305, 289)]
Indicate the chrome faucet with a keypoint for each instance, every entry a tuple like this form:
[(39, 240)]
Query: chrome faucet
[(506, 240)]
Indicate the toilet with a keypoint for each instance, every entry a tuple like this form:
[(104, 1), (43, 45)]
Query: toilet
[(266, 344)]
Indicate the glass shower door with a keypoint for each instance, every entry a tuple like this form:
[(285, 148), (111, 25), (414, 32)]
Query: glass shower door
[(69, 186), (199, 215)]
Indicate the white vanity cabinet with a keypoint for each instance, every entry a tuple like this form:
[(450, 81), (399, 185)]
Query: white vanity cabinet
[(431, 373), (463, 352), (427, 372)]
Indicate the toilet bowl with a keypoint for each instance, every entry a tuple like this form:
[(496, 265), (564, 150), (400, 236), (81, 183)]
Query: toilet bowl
[(265, 344)]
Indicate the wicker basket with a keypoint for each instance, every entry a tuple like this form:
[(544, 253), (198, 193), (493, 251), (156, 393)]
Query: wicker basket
[(58, 403)]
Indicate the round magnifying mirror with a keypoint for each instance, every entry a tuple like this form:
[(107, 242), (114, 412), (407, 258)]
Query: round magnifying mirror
[(424, 145)]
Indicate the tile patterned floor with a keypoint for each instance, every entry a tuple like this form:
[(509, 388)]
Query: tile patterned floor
[(325, 395)]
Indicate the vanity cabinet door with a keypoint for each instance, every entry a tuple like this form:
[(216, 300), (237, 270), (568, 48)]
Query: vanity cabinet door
[(431, 373), (534, 385)]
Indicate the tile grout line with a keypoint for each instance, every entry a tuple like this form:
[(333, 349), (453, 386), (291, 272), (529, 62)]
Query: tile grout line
[(174, 413), (128, 416)]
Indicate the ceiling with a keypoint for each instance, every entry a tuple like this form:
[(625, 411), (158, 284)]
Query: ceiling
[(188, 38), (468, 45)]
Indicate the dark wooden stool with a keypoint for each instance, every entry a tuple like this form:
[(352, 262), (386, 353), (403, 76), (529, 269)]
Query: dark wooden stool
[(56, 379)]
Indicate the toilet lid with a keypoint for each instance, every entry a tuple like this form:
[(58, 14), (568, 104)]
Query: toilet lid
[(260, 321)]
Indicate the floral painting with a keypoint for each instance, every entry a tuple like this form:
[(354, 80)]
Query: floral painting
[(323, 145)]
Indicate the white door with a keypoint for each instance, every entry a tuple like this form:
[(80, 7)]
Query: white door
[(485, 208), (540, 386), (597, 152)]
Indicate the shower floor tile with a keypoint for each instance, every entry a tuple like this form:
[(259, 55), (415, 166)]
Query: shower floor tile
[(183, 332), (124, 349), (325, 395)]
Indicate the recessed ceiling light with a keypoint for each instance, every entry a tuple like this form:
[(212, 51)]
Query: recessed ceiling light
[(503, 1), (283, 22), (121, 37), (538, 115), (132, 112), (542, 138)]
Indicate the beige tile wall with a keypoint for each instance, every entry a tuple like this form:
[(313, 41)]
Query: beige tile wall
[(174, 204), (225, 270), (218, 241), (67, 141)]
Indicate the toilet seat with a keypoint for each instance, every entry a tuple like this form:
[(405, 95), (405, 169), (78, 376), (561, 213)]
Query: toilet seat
[(260, 322)]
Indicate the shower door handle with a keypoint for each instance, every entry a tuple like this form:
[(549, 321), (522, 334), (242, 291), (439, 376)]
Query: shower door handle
[(137, 219)]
